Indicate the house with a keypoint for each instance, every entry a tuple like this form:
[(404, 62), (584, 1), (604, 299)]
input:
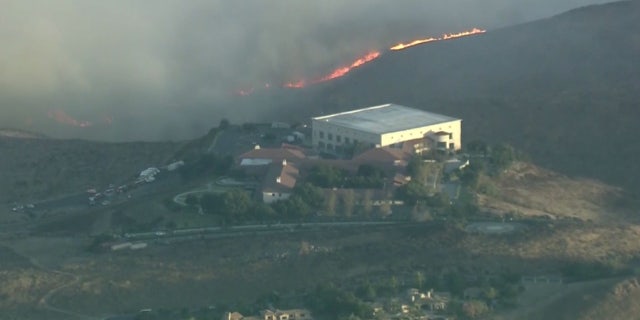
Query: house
[(232, 316), (294, 314), (279, 182), (265, 156)]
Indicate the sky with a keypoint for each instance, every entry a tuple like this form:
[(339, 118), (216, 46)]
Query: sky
[(164, 70)]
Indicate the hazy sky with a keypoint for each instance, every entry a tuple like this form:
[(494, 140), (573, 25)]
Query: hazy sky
[(67, 67)]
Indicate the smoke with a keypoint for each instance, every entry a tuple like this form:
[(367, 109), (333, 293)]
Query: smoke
[(165, 69)]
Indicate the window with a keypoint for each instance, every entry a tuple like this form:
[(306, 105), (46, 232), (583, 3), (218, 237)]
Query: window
[(338, 138), (321, 134), (330, 136), (450, 136), (346, 140), (321, 145), (452, 146)]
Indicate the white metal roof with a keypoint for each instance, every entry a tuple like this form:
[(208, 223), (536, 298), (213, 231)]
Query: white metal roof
[(385, 118)]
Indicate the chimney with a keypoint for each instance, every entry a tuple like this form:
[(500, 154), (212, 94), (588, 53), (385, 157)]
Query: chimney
[(256, 147), (278, 179), (284, 162)]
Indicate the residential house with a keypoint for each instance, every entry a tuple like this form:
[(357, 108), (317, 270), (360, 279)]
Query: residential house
[(279, 182), (294, 314)]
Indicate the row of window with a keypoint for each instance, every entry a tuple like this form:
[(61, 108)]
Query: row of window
[(338, 137)]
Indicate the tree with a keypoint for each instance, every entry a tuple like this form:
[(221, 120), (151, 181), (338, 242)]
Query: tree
[(502, 156), (211, 203), (417, 169), (310, 194), (474, 308), (326, 176), (263, 211), (224, 123), (412, 192), (235, 203), (394, 285), (420, 278), (367, 205), (348, 202), (191, 200), (330, 204)]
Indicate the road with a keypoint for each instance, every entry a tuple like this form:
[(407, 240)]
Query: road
[(193, 233)]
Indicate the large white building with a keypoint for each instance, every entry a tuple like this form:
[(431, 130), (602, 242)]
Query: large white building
[(386, 125)]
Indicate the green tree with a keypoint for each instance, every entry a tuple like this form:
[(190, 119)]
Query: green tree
[(191, 200), (330, 204), (235, 204), (412, 192), (394, 285), (420, 278), (224, 124), (211, 203), (348, 202), (474, 308), (326, 176), (310, 194), (417, 169), (367, 206), (502, 156)]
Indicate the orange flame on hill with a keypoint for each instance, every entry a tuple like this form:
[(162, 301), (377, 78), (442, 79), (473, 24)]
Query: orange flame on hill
[(61, 117), (401, 46), (445, 36), (337, 73), (296, 84), (341, 71), (344, 70)]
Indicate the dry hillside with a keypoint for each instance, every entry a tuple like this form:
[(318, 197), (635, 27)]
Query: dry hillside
[(34, 169), (525, 189)]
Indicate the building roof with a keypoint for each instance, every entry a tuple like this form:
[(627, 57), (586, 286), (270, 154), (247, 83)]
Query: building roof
[(280, 178), (273, 154), (385, 118)]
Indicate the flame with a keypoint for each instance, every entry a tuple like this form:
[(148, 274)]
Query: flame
[(295, 84), (446, 36), (341, 71), (346, 69), (401, 46), (244, 92), (61, 117), (463, 34)]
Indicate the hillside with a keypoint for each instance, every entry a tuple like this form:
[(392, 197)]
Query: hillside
[(530, 191), (563, 89), (37, 169)]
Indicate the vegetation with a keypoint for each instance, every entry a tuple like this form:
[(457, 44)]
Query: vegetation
[(329, 301), (367, 176)]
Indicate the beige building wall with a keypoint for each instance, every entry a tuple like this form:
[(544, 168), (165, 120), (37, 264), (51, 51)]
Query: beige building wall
[(326, 136)]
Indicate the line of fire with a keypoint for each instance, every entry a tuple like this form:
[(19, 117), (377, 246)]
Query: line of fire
[(370, 56)]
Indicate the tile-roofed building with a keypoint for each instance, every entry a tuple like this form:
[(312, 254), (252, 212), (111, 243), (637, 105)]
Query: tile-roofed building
[(279, 181)]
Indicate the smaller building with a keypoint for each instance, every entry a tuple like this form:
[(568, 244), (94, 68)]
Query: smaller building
[(279, 182), (293, 314)]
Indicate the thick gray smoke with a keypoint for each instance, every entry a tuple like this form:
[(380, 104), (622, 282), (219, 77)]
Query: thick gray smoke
[(161, 69)]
